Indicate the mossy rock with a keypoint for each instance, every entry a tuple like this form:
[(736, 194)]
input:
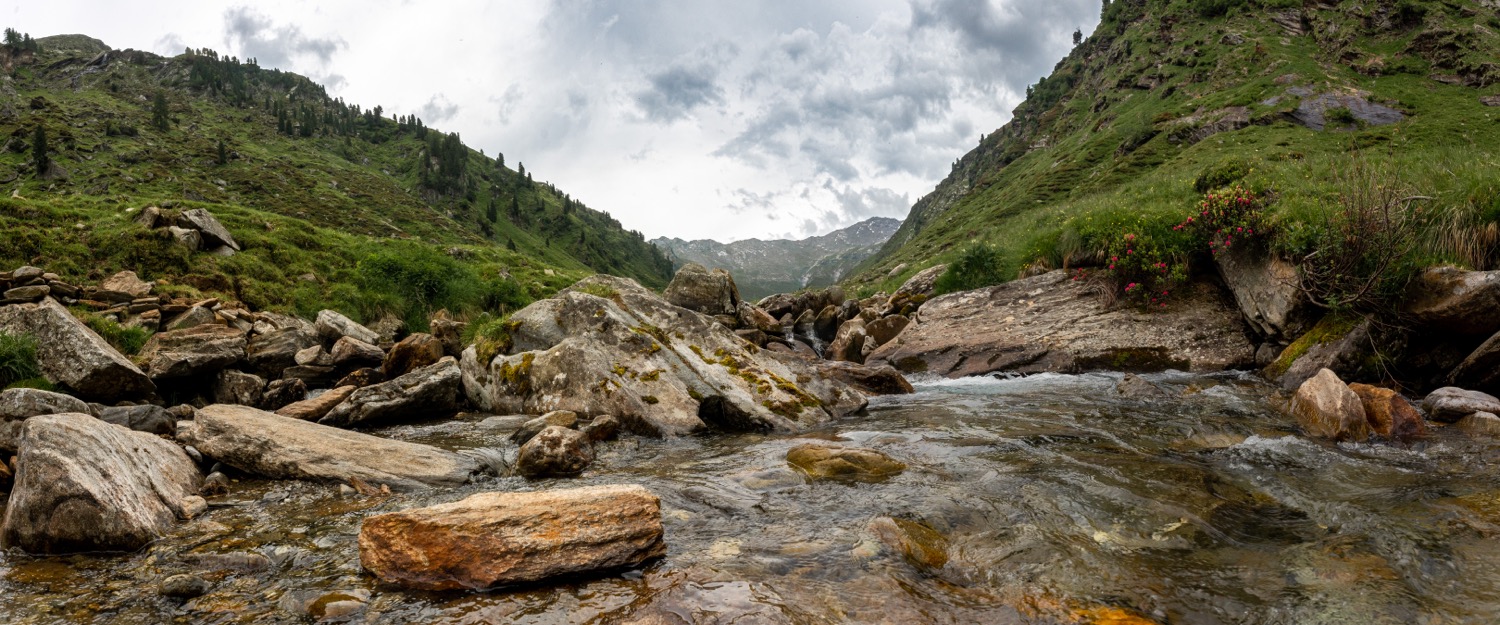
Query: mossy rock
[(822, 462)]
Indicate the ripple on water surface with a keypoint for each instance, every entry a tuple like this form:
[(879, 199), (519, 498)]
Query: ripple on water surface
[(1049, 498)]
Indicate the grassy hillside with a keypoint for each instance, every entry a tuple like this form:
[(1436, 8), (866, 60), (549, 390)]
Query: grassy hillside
[(1168, 99), (331, 200)]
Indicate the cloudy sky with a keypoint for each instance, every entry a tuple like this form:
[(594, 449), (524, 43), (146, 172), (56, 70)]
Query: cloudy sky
[(685, 118)]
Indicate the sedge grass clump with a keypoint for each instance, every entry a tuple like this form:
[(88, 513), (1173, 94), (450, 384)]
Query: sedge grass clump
[(18, 359)]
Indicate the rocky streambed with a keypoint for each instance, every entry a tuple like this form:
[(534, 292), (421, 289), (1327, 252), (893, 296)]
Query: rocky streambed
[(1051, 498)]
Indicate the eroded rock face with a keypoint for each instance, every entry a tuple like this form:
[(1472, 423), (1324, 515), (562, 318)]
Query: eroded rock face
[(193, 351), (711, 292), (881, 380), (74, 356), (431, 391), (1389, 414), (1326, 408), (495, 539), (283, 448), (1266, 288), (1465, 302), (848, 344), (822, 462), (87, 485), (1051, 323), (1481, 369), (659, 368)]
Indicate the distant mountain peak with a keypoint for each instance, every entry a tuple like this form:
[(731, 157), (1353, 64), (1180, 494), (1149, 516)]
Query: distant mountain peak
[(762, 267)]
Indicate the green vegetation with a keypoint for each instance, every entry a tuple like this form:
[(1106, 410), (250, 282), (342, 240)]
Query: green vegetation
[(127, 340), (1129, 132), (336, 205), (17, 359), (979, 265)]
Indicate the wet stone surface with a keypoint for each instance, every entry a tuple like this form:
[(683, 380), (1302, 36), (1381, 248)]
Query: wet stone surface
[(1047, 499)]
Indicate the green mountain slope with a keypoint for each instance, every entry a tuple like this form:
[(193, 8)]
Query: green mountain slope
[(311, 184), (1286, 97)]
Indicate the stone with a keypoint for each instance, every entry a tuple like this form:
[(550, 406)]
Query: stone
[(532, 427), (1137, 387), (360, 378), (917, 543), (661, 369), (882, 330), (313, 375), (195, 316), (922, 284), (238, 387), (214, 233), (826, 462), (272, 351), (751, 316), (129, 283), (602, 428), (27, 293), (848, 345), (87, 485), (314, 408), (1449, 404), (711, 292), (19, 404), (432, 391), (215, 484), (278, 447), (26, 273), (412, 353), (1267, 290), (143, 418), (1334, 343), (496, 539), (389, 328), (1490, 100), (1389, 414), (73, 356), (282, 392), (1481, 369), (1326, 408), (314, 355), (873, 380), (333, 326), (450, 333), (186, 237), (826, 324), (351, 353), (1050, 323), (192, 351), (1480, 425), (183, 586), (555, 452), (1456, 301)]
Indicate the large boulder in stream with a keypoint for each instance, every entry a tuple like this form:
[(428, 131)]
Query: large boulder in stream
[(608, 346), (87, 485), (1051, 323), (72, 355), (495, 539), (1449, 404), (431, 391), (1325, 407), (285, 448)]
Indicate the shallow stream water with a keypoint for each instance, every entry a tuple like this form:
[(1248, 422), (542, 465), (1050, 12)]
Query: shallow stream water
[(1052, 498)]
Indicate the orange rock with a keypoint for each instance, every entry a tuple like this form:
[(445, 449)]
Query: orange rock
[(1389, 414), (494, 539)]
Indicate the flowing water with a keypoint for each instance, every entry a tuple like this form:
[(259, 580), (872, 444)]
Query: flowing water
[(1047, 499)]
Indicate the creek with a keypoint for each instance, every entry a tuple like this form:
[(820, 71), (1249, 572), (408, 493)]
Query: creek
[(1049, 498)]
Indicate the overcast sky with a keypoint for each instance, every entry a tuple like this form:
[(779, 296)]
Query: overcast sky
[(685, 118)]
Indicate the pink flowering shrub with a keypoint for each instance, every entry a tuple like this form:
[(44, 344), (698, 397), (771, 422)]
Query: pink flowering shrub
[(1147, 267)]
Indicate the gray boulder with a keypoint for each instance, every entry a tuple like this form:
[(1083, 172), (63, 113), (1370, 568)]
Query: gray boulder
[(74, 356), (1449, 404), (1481, 369), (352, 353), (144, 418), (333, 326), (555, 452), (529, 429), (659, 368), (19, 404), (283, 448), (1457, 301), (192, 317), (432, 391), (238, 387), (1267, 290), (214, 233), (711, 292), (271, 351), (87, 485), (1325, 407), (193, 351)]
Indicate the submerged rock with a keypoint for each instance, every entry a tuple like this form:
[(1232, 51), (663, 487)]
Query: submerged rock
[(494, 539), (284, 448), (1137, 387), (87, 485), (659, 368), (1326, 408), (74, 356), (819, 462), (1051, 323), (920, 545)]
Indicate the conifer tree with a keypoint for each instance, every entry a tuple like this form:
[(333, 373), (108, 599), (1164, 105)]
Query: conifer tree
[(223, 153), (39, 150), (160, 112)]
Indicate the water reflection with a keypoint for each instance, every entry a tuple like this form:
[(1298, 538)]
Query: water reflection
[(1043, 499)]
